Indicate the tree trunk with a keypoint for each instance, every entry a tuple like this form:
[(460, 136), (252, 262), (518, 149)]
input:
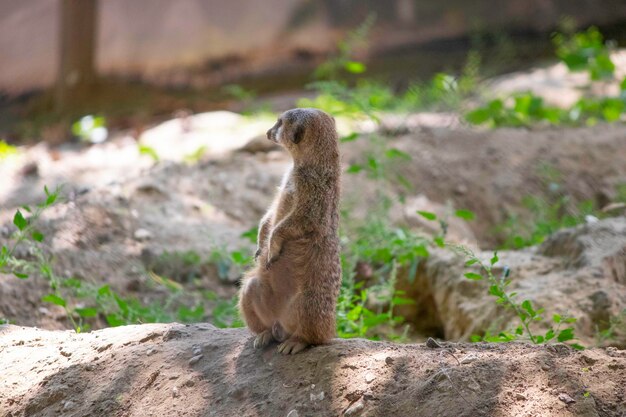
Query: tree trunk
[(77, 52)]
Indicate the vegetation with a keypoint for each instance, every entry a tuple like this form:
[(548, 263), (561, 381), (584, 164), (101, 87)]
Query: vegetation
[(86, 303), (584, 51), (525, 311)]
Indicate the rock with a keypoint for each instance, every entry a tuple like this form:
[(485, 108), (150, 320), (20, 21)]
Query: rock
[(369, 377), (317, 397), (566, 398), (579, 271), (293, 413), (195, 360)]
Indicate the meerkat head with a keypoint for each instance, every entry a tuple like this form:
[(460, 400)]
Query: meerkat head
[(305, 133)]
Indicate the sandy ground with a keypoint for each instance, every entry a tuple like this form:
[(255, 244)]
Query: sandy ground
[(198, 370)]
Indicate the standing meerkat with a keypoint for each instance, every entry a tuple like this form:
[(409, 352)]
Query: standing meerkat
[(290, 294)]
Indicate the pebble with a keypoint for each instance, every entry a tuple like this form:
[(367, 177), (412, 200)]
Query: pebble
[(355, 408), (175, 392), (469, 359), (566, 398), (142, 234), (369, 377), (293, 413), (317, 397), (432, 343), (195, 359), (520, 396), (150, 351), (197, 350)]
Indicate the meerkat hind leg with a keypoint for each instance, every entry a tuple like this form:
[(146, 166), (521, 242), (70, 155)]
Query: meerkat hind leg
[(263, 339), (292, 345)]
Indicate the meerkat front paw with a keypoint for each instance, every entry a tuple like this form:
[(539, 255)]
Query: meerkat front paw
[(292, 346), (273, 253), (263, 339)]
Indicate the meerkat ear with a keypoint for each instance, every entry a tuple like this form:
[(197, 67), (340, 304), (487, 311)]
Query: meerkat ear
[(298, 134)]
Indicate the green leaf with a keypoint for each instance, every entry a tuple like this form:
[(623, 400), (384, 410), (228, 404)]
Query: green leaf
[(427, 215), (473, 276), (577, 346), (475, 338), (114, 320), (20, 275), (439, 241), (556, 318), (87, 312), (478, 116), (421, 251), (19, 221), (465, 214), (396, 153), (37, 236), (471, 262), (51, 199), (565, 335), (538, 339), (550, 334), (496, 291), (622, 85), (351, 137), (527, 305), (494, 260), (54, 299), (398, 301), (251, 234), (355, 67), (104, 290), (353, 169), (146, 150)]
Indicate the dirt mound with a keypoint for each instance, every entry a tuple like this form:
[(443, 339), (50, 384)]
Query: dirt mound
[(576, 272), (172, 369)]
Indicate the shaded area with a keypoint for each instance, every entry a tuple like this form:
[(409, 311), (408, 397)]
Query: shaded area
[(198, 370)]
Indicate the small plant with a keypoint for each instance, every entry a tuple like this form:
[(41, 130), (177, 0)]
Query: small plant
[(616, 326), (525, 311), (84, 302), (149, 151), (585, 51), (354, 319), (6, 150), (552, 211)]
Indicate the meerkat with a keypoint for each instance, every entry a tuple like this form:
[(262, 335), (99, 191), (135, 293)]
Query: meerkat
[(290, 294)]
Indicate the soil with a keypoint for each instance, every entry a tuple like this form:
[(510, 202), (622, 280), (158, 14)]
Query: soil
[(198, 370)]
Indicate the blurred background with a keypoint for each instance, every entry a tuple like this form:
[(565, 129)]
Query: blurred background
[(134, 166), (149, 58)]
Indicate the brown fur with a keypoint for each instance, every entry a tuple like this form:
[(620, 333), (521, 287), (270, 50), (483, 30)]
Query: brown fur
[(290, 294)]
